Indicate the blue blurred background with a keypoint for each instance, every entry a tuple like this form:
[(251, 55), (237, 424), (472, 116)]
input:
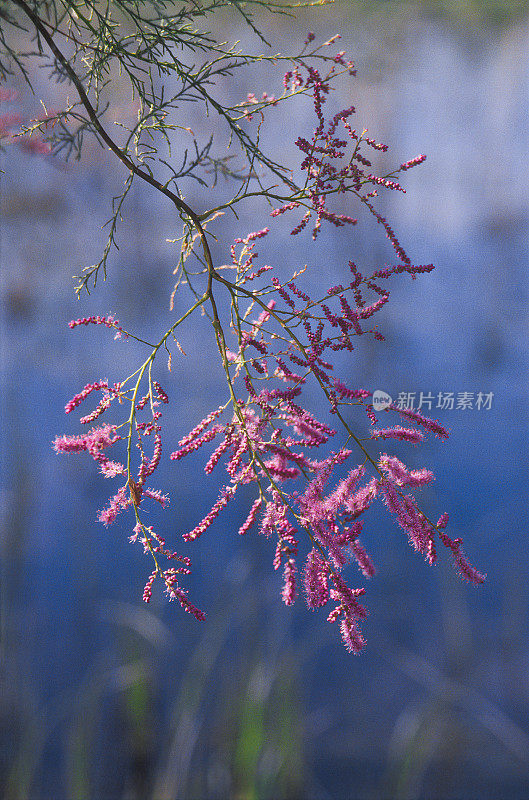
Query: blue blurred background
[(106, 698)]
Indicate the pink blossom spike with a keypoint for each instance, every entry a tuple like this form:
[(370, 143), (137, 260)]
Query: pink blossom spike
[(398, 432), (316, 581), (432, 425), (103, 405), (351, 636), (250, 519), (70, 444), (362, 499), (442, 522), (88, 389), (195, 444), (176, 592), (117, 504), (147, 591), (289, 592), (412, 163), (353, 394), (399, 474), (466, 570), (155, 494), (197, 430), (225, 496), (111, 469)]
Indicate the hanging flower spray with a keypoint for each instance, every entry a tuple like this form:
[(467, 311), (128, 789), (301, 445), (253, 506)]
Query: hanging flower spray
[(314, 477)]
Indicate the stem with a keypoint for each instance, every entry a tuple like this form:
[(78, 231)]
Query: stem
[(121, 155)]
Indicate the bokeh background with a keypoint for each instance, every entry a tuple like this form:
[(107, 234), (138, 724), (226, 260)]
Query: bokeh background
[(105, 698)]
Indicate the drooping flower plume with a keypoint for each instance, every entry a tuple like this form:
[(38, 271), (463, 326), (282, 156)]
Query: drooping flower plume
[(313, 476)]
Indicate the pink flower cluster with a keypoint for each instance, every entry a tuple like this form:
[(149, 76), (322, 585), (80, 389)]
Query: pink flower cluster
[(312, 491), (135, 489), (328, 170), (270, 441), (109, 322), (331, 518)]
